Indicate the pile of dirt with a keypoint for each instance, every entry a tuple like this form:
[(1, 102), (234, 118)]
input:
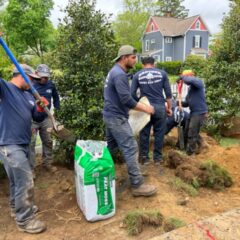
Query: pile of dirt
[(197, 173)]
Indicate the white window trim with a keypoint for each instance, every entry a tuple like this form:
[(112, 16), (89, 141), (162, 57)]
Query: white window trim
[(168, 40), (197, 41), (153, 40), (147, 45), (168, 59)]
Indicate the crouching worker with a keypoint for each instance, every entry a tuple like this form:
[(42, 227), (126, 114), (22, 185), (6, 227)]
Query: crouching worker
[(196, 102), (17, 109), (173, 121)]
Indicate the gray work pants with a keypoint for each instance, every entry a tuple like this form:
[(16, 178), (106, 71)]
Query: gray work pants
[(46, 140)]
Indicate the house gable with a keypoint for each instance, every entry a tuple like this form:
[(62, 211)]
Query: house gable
[(198, 25), (151, 26)]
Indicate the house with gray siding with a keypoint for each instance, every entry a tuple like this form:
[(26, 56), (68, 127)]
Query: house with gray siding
[(173, 39)]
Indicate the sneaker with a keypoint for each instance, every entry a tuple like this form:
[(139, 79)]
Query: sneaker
[(13, 211), (144, 190), (33, 226)]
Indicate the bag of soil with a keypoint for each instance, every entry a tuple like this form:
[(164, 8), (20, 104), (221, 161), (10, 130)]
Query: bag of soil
[(95, 179)]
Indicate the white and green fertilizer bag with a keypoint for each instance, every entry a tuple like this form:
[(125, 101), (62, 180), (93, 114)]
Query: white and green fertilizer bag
[(95, 180)]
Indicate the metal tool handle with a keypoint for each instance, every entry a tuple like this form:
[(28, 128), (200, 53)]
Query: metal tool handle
[(26, 79)]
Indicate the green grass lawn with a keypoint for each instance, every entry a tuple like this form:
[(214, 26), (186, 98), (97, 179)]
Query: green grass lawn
[(228, 142)]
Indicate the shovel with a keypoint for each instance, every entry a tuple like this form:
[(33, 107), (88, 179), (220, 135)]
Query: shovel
[(179, 127), (58, 130)]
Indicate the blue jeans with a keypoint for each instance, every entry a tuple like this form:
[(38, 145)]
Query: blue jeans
[(158, 122), (16, 164), (119, 135)]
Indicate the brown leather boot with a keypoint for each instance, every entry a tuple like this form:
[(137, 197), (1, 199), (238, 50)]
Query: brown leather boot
[(144, 190)]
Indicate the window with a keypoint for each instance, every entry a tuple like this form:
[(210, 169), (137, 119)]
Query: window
[(197, 41), (168, 59), (152, 41), (168, 40), (152, 27), (198, 24), (147, 45), (157, 58)]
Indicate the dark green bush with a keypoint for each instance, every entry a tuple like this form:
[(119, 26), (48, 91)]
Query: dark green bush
[(195, 63), (86, 47), (170, 67)]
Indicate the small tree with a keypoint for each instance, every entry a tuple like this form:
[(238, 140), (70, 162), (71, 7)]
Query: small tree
[(86, 48), (129, 25), (171, 8), (223, 72), (28, 26)]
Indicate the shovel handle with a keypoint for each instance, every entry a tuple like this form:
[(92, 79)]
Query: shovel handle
[(26, 79)]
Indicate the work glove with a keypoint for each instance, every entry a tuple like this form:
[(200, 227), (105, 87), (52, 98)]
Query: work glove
[(41, 104)]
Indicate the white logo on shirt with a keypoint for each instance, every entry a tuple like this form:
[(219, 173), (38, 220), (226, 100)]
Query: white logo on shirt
[(49, 90), (31, 102)]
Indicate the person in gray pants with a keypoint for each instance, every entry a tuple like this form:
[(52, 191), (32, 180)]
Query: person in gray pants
[(47, 89)]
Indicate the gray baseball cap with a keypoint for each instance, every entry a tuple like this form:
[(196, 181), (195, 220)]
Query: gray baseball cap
[(125, 50), (27, 70), (43, 70)]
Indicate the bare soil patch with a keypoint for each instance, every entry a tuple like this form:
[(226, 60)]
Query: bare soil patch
[(55, 196)]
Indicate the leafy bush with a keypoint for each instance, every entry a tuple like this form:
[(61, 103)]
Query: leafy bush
[(223, 72), (86, 47), (170, 67), (195, 63)]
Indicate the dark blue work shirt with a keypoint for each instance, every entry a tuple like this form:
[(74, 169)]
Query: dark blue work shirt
[(195, 98), (17, 109), (151, 82), (49, 91), (117, 96)]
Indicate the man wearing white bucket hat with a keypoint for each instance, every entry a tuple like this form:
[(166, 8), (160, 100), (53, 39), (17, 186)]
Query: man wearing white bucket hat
[(117, 102), (152, 82)]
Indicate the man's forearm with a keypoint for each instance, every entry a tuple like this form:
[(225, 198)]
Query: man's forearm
[(144, 108)]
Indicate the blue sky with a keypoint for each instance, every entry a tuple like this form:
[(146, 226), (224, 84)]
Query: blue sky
[(212, 11)]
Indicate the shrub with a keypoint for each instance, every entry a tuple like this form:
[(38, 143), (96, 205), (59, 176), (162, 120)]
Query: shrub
[(196, 63), (170, 67), (86, 47)]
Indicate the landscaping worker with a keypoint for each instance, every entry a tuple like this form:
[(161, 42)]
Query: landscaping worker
[(17, 109), (47, 89), (172, 121), (117, 102), (152, 82), (196, 102)]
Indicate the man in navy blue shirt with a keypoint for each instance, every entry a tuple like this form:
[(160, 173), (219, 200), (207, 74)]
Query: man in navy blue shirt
[(17, 109), (196, 102), (152, 82), (117, 102), (47, 89)]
